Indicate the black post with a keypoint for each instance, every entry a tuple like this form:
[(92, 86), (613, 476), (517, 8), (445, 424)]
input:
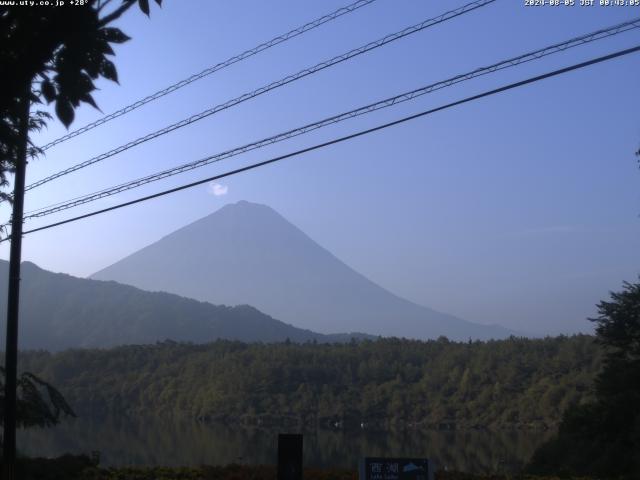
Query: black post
[(13, 302), (289, 456)]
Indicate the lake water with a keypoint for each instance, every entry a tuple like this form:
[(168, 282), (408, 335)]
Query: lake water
[(164, 442)]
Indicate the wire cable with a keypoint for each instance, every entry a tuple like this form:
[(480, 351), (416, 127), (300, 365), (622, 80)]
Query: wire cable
[(488, 93), (210, 70), (279, 83), (388, 102)]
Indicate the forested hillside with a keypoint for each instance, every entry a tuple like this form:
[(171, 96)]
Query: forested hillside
[(389, 383)]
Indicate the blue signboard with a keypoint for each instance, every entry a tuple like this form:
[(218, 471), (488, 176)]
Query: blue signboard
[(376, 468)]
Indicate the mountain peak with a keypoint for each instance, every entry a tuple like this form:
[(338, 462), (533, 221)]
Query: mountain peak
[(242, 208), (245, 204)]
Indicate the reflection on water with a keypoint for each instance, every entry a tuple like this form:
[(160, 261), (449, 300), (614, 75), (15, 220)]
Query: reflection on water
[(165, 442)]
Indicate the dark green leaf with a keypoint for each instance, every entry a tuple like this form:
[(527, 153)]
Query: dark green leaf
[(105, 48), (87, 98), (64, 111), (84, 83), (48, 90), (108, 70), (114, 35), (144, 6)]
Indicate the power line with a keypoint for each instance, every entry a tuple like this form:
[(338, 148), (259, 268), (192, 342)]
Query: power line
[(279, 83), (210, 70), (388, 102), (344, 138)]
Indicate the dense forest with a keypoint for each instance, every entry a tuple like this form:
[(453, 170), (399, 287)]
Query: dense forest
[(388, 383)]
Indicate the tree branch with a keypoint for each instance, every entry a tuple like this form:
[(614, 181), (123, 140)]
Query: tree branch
[(117, 13), (102, 4)]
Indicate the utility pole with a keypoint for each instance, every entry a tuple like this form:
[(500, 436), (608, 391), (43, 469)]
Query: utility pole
[(13, 302)]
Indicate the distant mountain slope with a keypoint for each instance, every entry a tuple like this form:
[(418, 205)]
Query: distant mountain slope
[(59, 311), (248, 253)]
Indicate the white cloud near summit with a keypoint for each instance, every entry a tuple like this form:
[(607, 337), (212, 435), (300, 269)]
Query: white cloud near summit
[(218, 189)]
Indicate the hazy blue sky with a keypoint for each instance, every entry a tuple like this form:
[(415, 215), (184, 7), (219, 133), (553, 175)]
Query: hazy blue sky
[(520, 209)]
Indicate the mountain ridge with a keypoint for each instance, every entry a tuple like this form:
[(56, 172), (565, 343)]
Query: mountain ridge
[(59, 311)]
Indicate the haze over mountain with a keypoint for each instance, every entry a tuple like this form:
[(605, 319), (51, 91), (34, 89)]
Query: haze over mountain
[(58, 311), (246, 253)]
